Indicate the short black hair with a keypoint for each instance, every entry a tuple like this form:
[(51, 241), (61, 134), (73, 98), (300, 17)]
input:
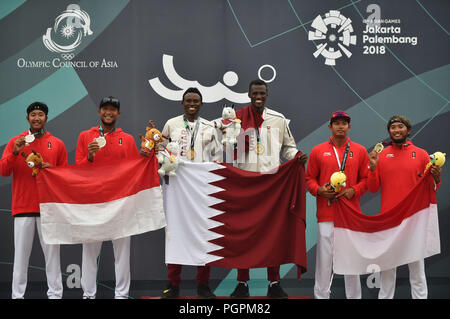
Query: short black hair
[(37, 106), (256, 82), (193, 90), (110, 100)]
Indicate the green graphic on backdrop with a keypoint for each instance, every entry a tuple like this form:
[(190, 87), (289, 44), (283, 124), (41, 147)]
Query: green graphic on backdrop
[(70, 90), (8, 6)]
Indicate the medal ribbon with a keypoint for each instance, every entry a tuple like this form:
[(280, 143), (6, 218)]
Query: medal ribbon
[(258, 128), (344, 159), (41, 131), (194, 134), (100, 129)]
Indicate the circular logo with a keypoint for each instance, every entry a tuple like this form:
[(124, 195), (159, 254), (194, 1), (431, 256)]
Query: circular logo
[(274, 73), (334, 32), (72, 23)]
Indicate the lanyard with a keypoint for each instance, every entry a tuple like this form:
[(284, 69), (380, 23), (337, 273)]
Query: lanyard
[(258, 134), (194, 134), (100, 129), (344, 159), (41, 131)]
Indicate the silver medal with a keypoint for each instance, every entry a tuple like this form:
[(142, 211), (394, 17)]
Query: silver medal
[(29, 138), (101, 141)]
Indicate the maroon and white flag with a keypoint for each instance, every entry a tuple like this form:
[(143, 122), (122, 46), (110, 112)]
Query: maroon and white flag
[(220, 215), (406, 233), (97, 202)]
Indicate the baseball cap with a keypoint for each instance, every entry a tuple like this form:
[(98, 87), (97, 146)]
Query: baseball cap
[(339, 114), (37, 106), (110, 100)]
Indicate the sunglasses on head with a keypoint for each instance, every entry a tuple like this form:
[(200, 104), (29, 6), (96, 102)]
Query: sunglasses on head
[(110, 100)]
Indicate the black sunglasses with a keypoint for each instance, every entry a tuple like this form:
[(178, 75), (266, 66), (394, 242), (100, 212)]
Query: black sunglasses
[(110, 100)]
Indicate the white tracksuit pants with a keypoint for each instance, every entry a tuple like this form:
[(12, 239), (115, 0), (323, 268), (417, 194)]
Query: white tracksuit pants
[(24, 230), (417, 279), (324, 266), (89, 267)]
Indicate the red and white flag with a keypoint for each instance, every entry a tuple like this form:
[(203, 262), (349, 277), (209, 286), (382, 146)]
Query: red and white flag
[(406, 233), (220, 215), (98, 202)]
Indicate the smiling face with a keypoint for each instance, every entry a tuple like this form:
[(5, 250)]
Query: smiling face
[(258, 95), (108, 115), (37, 120), (399, 132), (192, 103)]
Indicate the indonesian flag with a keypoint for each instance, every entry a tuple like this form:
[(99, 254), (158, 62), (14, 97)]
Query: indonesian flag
[(220, 215), (98, 202), (406, 233)]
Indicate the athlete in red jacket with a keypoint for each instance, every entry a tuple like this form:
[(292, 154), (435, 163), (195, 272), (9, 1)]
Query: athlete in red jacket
[(99, 145), (25, 201), (396, 170), (337, 154)]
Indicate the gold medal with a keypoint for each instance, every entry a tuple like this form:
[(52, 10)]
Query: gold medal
[(259, 149), (191, 154), (379, 147)]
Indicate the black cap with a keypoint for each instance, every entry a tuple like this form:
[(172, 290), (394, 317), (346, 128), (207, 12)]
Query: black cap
[(110, 100), (37, 106)]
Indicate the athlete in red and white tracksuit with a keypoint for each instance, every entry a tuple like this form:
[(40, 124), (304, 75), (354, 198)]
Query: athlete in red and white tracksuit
[(395, 171), (398, 170), (326, 159), (119, 145), (25, 200), (322, 164)]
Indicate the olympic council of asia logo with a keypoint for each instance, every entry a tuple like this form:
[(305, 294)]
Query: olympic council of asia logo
[(335, 34), (73, 23), (69, 29)]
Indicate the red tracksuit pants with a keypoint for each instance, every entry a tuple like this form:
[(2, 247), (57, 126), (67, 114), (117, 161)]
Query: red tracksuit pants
[(273, 274), (174, 274)]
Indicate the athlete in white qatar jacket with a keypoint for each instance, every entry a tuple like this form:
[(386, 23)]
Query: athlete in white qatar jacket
[(276, 139), (205, 143)]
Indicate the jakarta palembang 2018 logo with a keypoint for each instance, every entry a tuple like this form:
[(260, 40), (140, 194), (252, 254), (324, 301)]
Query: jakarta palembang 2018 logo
[(70, 26), (334, 32)]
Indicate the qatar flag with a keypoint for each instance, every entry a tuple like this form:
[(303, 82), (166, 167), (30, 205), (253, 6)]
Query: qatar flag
[(98, 202), (220, 215), (404, 234)]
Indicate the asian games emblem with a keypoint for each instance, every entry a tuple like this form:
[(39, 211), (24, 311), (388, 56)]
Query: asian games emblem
[(335, 34), (73, 23)]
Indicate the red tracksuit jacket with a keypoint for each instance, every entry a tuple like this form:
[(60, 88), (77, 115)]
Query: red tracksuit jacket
[(322, 164), (119, 145), (398, 170), (25, 197)]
